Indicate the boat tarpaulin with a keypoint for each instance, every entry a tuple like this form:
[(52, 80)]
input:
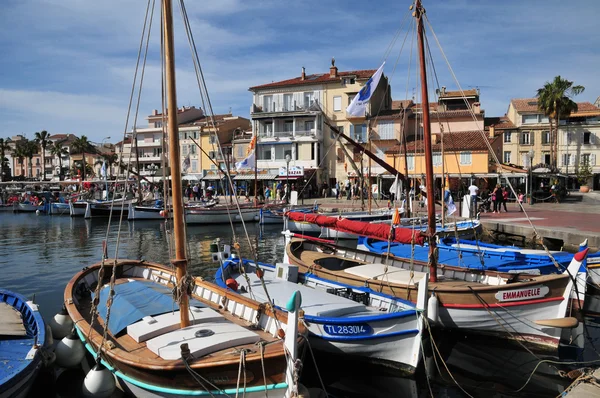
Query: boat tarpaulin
[(135, 300), (361, 228)]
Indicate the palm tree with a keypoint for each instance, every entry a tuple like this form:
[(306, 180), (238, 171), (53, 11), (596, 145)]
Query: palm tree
[(554, 99), (19, 153), (4, 147), (42, 139), (30, 149), (57, 149), (110, 159), (83, 145)]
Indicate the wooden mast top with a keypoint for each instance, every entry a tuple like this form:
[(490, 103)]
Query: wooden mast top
[(419, 12), (180, 260)]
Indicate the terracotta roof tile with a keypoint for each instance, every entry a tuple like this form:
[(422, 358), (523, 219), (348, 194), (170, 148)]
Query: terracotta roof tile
[(531, 105), (320, 78), (398, 104), (205, 119), (463, 140), (499, 123), (384, 143)]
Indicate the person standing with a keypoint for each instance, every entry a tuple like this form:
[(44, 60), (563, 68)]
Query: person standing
[(520, 198), (496, 194), (337, 190), (504, 198), (473, 192)]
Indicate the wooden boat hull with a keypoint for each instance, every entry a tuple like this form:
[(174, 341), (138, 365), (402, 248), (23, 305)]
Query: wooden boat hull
[(219, 215), (149, 375), (21, 363), (493, 308), (390, 335)]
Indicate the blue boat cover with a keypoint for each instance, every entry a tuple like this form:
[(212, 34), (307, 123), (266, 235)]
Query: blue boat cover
[(135, 300)]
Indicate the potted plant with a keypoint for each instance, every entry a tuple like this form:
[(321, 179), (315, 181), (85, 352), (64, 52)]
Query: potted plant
[(584, 173)]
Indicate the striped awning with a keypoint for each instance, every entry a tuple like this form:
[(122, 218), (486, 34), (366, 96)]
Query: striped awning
[(258, 177)]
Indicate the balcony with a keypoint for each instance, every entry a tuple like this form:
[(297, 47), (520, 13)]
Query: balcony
[(270, 109), (314, 133)]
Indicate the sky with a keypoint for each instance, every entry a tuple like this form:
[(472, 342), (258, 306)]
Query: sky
[(67, 66)]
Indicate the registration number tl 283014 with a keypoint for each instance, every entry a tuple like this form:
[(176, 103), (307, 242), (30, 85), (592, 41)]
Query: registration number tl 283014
[(348, 330)]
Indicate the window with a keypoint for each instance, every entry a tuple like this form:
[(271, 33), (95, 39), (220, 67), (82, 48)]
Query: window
[(268, 129), (465, 158), (507, 136), (288, 126), (264, 153), (437, 159), (282, 150), (268, 103), (334, 135), (212, 154), (287, 102), (506, 156), (546, 158), (525, 138), (341, 158), (157, 124), (212, 139), (386, 130), (192, 149), (585, 158), (410, 162), (308, 99), (194, 166), (588, 138), (568, 159), (309, 125), (358, 132), (337, 103), (240, 151), (531, 119), (545, 137)]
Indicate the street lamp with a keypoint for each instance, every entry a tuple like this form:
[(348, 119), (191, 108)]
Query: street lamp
[(287, 177), (530, 155)]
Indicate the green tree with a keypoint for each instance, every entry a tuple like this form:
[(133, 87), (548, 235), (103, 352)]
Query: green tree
[(42, 139), (19, 153), (554, 99), (30, 149), (57, 149), (83, 145), (4, 147), (584, 172), (110, 159)]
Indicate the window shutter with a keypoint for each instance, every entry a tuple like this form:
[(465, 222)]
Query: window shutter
[(352, 132), (592, 159), (532, 137), (571, 160), (592, 138)]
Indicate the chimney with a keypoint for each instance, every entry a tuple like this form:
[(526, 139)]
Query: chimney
[(492, 131), (333, 70), (443, 92), (434, 139), (303, 77), (155, 112), (476, 107)]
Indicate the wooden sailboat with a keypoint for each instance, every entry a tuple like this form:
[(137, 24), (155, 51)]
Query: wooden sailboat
[(163, 333), (532, 309)]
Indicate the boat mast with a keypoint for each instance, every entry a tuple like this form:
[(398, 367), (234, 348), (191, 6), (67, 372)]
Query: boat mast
[(180, 260), (407, 182), (419, 12)]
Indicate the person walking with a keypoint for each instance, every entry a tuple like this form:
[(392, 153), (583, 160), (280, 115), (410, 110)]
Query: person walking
[(337, 190), (520, 199), (496, 194), (504, 198), (473, 191)]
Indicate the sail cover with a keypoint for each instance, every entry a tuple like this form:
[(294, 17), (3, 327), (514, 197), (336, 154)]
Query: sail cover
[(376, 231)]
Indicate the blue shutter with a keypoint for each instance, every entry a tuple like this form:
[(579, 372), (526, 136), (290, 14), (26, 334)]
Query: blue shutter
[(352, 132)]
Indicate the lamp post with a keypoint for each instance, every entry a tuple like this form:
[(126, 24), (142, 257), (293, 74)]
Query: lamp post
[(530, 155), (287, 178)]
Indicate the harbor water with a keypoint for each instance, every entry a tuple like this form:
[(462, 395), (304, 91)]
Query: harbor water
[(40, 254)]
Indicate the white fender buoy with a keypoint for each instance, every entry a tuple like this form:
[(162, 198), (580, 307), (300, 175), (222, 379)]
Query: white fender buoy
[(433, 308), (61, 324), (257, 218), (37, 212), (99, 382), (69, 351)]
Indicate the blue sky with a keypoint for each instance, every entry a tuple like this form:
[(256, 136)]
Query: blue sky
[(67, 65)]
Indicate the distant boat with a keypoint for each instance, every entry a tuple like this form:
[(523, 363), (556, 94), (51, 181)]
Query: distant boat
[(22, 339)]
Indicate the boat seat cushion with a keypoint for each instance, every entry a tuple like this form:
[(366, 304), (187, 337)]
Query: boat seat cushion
[(152, 326), (393, 275), (222, 335)]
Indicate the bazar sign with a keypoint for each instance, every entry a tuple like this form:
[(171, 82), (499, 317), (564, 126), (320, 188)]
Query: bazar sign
[(294, 171), (522, 294)]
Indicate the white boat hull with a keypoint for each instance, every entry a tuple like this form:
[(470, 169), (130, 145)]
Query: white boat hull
[(220, 215), (77, 209), (144, 213), (60, 209), (28, 208)]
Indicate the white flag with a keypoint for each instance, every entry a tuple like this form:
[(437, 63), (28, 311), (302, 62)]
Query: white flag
[(103, 169), (186, 163), (247, 163), (394, 188), (451, 207), (358, 105)]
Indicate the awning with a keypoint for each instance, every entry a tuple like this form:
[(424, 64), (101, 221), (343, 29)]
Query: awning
[(192, 177), (247, 177), (283, 178), (213, 177)]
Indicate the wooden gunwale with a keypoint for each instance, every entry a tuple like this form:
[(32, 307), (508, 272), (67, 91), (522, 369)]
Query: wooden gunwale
[(127, 351), (447, 291)]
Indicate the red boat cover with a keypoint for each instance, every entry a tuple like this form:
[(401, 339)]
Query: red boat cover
[(376, 231)]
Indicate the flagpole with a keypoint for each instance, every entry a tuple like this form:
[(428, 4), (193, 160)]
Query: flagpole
[(255, 173)]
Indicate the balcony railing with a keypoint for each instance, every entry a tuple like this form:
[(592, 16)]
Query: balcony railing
[(294, 107), (287, 134)]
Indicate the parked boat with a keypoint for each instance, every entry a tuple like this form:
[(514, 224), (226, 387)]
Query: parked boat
[(22, 340), (156, 212), (59, 209), (221, 214), (171, 335), (350, 322), (523, 307), (27, 207), (78, 209), (477, 255)]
